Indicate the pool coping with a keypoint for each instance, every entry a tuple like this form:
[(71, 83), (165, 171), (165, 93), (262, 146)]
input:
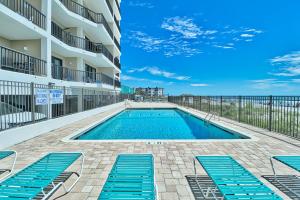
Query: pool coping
[(247, 133)]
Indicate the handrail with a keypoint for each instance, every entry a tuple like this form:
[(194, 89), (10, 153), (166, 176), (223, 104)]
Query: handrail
[(117, 62), (12, 60), (117, 43), (118, 6), (68, 74), (117, 84), (109, 7), (79, 42), (117, 24), (88, 14), (28, 11)]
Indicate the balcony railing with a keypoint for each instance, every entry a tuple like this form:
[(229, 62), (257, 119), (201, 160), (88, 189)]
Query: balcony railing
[(117, 62), (117, 44), (117, 84), (118, 6), (109, 7), (88, 14), (68, 74), (117, 23), (79, 42), (18, 62), (107, 79), (26, 10)]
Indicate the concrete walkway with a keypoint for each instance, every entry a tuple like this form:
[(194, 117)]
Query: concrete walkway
[(173, 160)]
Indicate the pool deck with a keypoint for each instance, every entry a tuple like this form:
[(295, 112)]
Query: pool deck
[(173, 160)]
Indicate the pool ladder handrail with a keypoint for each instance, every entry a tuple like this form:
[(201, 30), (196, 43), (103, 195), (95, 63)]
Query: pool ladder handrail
[(127, 104), (209, 117)]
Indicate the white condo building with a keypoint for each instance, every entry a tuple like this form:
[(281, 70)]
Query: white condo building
[(72, 43)]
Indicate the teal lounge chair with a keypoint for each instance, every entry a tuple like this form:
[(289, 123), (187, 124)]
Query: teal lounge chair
[(132, 177), (4, 155), (42, 178), (233, 180), (289, 182), (291, 161)]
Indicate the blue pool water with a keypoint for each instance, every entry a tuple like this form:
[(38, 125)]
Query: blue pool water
[(163, 124)]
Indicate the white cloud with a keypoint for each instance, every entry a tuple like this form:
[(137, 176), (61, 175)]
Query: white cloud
[(291, 59), (269, 84), (253, 30), (185, 27), (296, 80), (155, 71), (246, 35), (131, 78), (173, 46), (140, 4), (199, 85), (224, 46), (289, 64), (185, 37)]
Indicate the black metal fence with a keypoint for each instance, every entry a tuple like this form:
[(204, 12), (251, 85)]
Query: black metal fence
[(12, 60), (25, 9), (68, 74), (276, 113), (27, 103)]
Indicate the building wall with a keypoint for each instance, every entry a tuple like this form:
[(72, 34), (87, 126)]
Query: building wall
[(36, 47), (4, 42), (36, 3), (30, 47)]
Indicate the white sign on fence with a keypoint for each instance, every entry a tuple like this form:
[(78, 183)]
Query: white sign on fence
[(41, 97), (56, 96)]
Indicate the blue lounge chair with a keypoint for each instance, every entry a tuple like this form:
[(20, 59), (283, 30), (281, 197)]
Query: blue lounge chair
[(42, 178), (289, 182), (233, 180), (291, 161), (6, 154), (132, 177)]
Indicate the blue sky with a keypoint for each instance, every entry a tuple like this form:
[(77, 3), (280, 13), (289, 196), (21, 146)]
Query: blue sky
[(215, 47)]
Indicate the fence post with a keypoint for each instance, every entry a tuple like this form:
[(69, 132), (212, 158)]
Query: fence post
[(240, 109), (32, 102), (200, 101), (209, 104), (270, 112), (65, 100), (221, 106)]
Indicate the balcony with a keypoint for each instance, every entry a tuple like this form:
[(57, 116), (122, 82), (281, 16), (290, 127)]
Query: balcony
[(110, 7), (117, 44), (117, 63), (79, 9), (26, 10), (18, 62), (117, 84), (79, 42), (68, 74), (117, 24), (118, 6)]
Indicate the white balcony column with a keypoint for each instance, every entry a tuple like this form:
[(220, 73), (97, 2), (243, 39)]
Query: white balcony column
[(81, 76), (46, 42), (46, 45)]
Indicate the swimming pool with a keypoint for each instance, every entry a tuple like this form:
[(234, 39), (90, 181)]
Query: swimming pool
[(156, 124)]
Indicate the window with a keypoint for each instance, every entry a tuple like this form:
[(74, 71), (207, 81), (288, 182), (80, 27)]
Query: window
[(57, 70), (90, 74)]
